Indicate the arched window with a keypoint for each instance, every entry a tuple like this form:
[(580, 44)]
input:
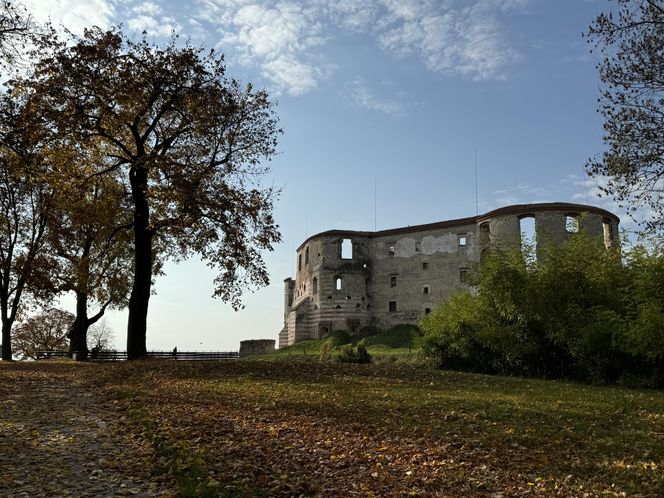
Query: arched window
[(337, 283), (315, 285), (306, 256)]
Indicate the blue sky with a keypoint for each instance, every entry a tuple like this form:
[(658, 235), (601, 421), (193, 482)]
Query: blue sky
[(395, 97)]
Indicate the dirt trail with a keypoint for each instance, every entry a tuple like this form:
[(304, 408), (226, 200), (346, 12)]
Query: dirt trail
[(59, 439)]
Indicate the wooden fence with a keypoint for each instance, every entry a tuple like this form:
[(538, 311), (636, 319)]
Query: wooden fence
[(166, 355)]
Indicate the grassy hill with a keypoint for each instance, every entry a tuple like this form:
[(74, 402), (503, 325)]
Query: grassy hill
[(397, 341), (293, 426)]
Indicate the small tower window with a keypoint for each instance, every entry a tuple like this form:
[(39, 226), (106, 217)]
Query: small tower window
[(346, 249), (393, 281), (427, 311), (418, 246), (571, 223), (306, 256), (337, 283), (315, 285), (425, 289), (390, 250), (425, 266), (463, 240), (299, 262), (463, 275), (392, 306)]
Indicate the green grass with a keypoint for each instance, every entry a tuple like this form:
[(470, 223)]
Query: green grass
[(293, 426), (401, 340)]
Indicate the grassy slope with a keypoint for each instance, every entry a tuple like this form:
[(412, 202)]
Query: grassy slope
[(290, 426)]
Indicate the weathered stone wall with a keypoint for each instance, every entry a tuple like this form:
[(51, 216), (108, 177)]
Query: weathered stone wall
[(256, 346), (396, 276)]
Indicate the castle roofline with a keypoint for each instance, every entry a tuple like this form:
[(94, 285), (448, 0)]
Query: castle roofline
[(519, 209)]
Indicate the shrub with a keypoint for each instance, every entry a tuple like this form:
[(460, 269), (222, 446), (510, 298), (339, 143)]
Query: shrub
[(358, 353), (338, 337)]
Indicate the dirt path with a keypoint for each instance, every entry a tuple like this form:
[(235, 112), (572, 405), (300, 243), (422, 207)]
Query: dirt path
[(59, 439)]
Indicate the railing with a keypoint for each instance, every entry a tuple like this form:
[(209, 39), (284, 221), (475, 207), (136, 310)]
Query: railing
[(166, 355)]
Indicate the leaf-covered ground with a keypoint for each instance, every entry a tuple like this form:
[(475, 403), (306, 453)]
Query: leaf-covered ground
[(58, 437), (290, 427)]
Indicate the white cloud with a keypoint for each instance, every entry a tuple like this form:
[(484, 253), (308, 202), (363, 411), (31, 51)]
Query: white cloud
[(362, 97), (467, 41), (283, 37), (75, 15), (150, 17)]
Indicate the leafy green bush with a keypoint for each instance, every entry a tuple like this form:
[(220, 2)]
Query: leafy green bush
[(338, 337), (575, 310), (349, 353)]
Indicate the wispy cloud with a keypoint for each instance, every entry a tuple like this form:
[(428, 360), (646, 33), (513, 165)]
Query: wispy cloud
[(75, 15), (151, 18), (284, 37), (362, 97)]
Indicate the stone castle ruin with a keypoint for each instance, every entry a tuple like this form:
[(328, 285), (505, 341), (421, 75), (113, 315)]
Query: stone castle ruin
[(347, 280)]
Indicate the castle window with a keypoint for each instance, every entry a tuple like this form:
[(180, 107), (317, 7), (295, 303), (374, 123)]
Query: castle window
[(346, 249), (315, 285), (462, 239), (427, 311), (299, 262), (348, 298), (393, 281), (390, 250), (608, 232), (425, 266), (338, 306), (306, 256), (463, 275), (418, 247), (337, 283), (392, 306), (528, 231), (571, 223), (425, 290)]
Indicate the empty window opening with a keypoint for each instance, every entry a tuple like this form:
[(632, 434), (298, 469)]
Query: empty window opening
[(571, 223), (315, 285), (346, 249), (368, 306), (418, 247), (425, 290), (393, 281), (485, 233), (527, 228), (338, 306), (362, 298), (329, 297), (299, 262), (348, 298), (427, 311), (337, 283), (306, 256), (463, 275), (608, 232), (392, 306), (425, 266), (463, 240), (390, 250)]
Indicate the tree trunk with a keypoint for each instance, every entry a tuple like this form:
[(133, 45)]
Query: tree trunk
[(6, 340), (140, 292), (78, 337)]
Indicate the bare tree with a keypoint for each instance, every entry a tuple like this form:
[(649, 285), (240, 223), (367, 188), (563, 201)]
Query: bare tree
[(632, 103)]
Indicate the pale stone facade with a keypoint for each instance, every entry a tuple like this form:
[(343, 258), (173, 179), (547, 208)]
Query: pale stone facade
[(346, 280)]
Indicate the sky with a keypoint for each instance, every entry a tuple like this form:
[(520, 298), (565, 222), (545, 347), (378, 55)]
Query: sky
[(387, 106)]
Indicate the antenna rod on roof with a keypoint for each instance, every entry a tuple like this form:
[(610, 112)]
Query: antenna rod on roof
[(375, 203), (477, 202)]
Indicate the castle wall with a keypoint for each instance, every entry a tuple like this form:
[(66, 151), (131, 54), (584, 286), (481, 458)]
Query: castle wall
[(396, 276)]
